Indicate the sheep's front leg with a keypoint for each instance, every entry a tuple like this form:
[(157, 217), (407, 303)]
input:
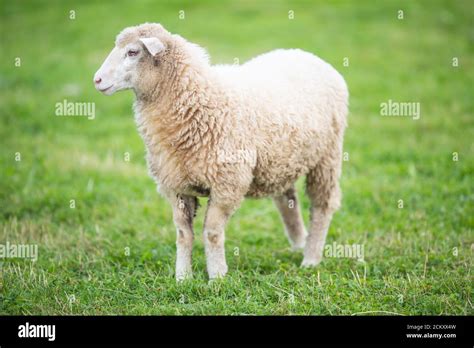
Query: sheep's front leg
[(184, 208), (217, 216)]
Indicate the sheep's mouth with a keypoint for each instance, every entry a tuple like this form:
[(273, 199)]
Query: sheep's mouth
[(105, 89)]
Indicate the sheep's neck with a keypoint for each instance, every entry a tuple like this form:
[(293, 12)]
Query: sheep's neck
[(181, 115)]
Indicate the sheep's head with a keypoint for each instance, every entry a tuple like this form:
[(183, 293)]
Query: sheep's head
[(132, 59)]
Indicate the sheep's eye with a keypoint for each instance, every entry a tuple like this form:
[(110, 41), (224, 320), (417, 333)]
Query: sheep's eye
[(132, 53)]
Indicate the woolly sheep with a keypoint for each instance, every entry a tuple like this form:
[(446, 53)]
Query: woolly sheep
[(229, 132)]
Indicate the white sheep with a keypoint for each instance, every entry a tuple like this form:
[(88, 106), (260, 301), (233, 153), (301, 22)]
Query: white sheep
[(229, 132)]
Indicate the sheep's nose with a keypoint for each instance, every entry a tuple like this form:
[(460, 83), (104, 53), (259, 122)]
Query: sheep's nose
[(98, 80)]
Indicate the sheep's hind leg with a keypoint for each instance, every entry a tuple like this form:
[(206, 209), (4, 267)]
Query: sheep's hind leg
[(290, 213), (184, 210), (324, 194)]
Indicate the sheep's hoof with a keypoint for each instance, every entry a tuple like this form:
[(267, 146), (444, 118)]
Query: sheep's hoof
[(298, 246), (217, 276), (181, 277), (217, 273), (309, 263), (216, 280)]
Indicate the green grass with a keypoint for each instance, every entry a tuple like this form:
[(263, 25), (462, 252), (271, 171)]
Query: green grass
[(411, 264)]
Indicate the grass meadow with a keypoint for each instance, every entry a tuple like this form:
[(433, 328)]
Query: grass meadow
[(78, 188)]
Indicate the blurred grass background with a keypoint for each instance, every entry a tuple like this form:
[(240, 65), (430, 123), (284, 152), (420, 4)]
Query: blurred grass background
[(418, 259)]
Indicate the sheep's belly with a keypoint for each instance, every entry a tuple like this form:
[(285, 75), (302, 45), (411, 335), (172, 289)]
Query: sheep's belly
[(196, 191), (274, 181), (282, 162), (260, 189)]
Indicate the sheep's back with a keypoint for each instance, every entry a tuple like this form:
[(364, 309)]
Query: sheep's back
[(294, 104)]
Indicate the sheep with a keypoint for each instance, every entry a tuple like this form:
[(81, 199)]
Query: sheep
[(233, 131)]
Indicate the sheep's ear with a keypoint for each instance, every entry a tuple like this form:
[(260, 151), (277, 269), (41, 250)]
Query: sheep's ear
[(153, 45)]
